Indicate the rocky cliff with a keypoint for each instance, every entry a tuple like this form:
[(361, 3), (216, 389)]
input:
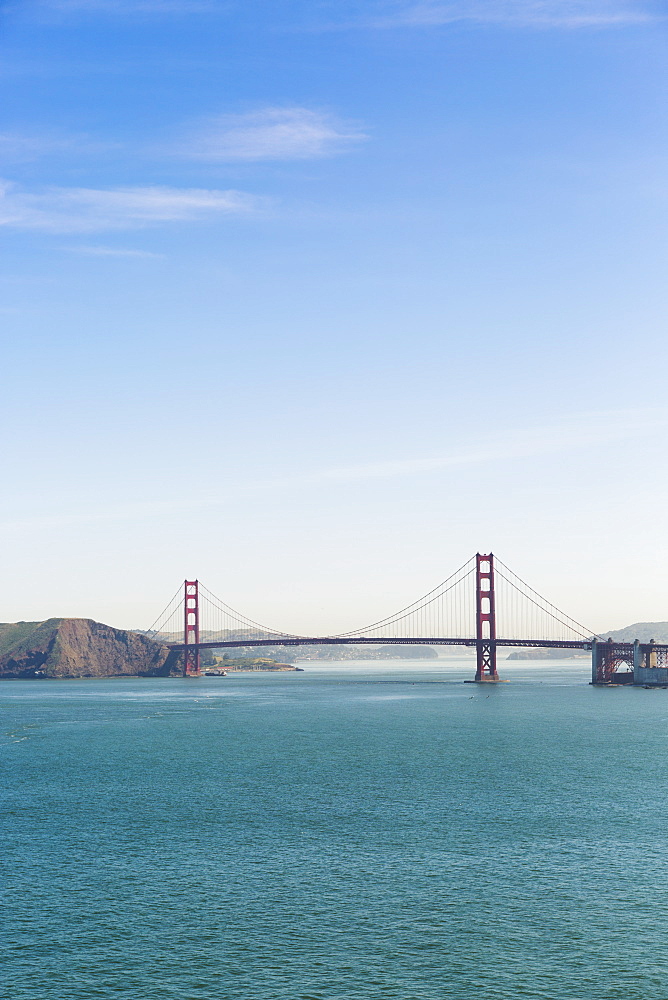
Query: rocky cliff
[(79, 647)]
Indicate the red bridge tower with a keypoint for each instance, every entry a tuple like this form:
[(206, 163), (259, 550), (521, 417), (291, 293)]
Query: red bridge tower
[(191, 629), (485, 619)]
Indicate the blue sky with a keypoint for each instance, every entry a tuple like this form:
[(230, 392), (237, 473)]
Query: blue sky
[(314, 300)]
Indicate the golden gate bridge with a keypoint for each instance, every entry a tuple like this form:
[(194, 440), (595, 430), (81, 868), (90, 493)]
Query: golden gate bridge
[(483, 605)]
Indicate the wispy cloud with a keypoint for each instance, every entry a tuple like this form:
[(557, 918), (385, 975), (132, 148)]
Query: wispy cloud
[(292, 133), (395, 13), (131, 7), (580, 432), (19, 147), (522, 13), (25, 147), (72, 210), (101, 251)]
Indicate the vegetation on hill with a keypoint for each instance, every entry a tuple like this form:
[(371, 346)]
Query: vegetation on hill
[(645, 631), (79, 647), (14, 634), (251, 663)]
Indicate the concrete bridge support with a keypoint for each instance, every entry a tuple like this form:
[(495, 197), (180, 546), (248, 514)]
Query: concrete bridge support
[(610, 662)]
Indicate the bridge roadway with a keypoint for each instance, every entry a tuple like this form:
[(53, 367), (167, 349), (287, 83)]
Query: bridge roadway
[(584, 644), (337, 641)]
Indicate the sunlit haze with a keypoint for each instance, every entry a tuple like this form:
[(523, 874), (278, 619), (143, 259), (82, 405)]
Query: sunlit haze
[(312, 301)]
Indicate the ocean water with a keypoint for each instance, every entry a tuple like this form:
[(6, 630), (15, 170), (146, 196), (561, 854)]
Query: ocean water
[(371, 830)]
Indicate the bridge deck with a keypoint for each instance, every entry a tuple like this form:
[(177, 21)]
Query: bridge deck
[(584, 644), (336, 641)]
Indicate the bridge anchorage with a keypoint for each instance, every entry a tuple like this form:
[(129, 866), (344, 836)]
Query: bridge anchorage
[(482, 606)]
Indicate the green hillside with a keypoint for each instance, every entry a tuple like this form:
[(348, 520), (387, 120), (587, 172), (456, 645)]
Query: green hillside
[(79, 647), (16, 637)]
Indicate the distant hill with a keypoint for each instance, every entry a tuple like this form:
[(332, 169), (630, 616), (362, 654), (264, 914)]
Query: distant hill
[(546, 654), (645, 631), (406, 653), (287, 655)]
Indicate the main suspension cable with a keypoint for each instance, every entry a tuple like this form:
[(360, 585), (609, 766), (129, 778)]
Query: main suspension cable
[(422, 602), (166, 608), (241, 619), (560, 616)]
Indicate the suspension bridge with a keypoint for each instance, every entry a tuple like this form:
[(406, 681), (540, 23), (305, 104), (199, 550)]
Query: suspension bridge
[(483, 605)]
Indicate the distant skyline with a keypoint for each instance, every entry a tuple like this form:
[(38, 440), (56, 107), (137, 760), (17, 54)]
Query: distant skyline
[(314, 300)]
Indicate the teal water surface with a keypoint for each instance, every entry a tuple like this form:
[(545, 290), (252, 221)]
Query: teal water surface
[(354, 831)]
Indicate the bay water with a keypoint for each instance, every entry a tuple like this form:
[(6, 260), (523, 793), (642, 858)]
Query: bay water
[(358, 830)]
